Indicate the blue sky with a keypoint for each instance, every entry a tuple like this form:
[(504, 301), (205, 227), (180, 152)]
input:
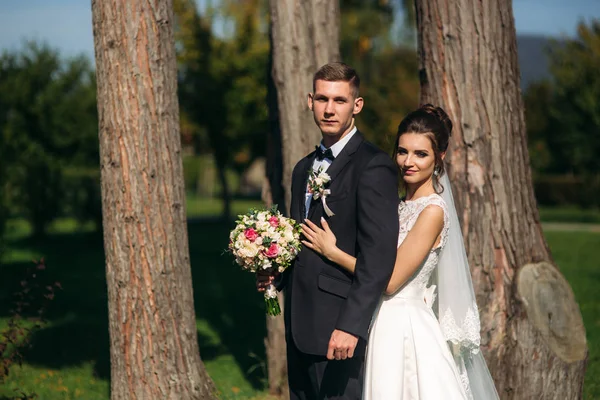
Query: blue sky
[(67, 24)]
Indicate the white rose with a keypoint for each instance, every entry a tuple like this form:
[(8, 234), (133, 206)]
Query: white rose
[(250, 250), (262, 225), (288, 235), (275, 235)]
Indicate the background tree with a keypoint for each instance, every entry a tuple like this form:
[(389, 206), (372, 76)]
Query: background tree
[(154, 348), (575, 110), (48, 125), (201, 90), (533, 334), (294, 60), (225, 77), (537, 101), (561, 112)]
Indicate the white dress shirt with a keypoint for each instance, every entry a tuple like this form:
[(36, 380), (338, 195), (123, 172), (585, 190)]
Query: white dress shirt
[(336, 149)]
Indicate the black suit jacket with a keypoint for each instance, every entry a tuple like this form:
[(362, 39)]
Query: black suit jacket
[(321, 296)]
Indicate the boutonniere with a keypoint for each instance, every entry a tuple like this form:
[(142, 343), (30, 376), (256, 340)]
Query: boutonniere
[(317, 183)]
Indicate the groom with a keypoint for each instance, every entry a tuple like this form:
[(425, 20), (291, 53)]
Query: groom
[(327, 310)]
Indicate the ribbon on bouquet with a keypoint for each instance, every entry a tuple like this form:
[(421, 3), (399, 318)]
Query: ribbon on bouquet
[(322, 195)]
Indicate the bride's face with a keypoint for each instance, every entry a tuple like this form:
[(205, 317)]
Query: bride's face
[(415, 157)]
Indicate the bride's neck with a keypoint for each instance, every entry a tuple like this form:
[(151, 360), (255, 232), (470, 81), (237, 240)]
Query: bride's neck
[(420, 189)]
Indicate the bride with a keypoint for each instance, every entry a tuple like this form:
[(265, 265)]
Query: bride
[(420, 346)]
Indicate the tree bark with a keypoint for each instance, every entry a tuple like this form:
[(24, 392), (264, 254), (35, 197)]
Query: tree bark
[(304, 36), (153, 339), (532, 331)]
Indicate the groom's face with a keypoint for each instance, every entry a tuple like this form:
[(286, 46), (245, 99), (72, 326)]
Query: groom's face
[(334, 105)]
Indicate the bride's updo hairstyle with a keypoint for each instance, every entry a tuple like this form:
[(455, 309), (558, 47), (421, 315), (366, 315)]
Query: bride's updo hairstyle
[(434, 123)]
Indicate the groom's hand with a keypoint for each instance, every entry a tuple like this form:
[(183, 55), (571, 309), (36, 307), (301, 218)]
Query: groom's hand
[(264, 279), (341, 345)]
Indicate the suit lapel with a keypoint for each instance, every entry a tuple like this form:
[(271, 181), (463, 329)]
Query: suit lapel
[(302, 185), (345, 155)]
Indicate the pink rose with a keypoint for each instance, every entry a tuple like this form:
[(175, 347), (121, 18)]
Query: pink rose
[(274, 221), (251, 234), (272, 251)]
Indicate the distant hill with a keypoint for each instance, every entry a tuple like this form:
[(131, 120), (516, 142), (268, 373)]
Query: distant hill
[(533, 58)]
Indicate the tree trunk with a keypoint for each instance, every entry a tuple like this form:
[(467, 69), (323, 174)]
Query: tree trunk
[(153, 339), (532, 331), (304, 36)]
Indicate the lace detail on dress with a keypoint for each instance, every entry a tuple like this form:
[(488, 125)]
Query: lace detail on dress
[(466, 337), (464, 380), (408, 213)]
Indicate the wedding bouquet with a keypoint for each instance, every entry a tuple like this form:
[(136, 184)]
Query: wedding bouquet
[(265, 240)]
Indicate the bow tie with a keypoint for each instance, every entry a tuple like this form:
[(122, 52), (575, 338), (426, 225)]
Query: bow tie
[(327, 154)]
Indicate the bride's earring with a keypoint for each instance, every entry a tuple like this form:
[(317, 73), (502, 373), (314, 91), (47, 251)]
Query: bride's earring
[(435, 172)]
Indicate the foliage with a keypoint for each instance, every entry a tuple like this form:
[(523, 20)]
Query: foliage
[(390, 94), (563, 114), (571, 215), (222, 84), (223, 79), (537, 106), (31, 298), (575, 107), (48, 124), (563, 190)]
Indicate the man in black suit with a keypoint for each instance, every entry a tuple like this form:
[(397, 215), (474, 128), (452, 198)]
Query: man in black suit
[(328, 310)]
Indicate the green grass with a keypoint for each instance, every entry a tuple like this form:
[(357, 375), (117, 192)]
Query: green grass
[(197, 207), (575, 255), (70, 360), (201, 207), (570, 215)]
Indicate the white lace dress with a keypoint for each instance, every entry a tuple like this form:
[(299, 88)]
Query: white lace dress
[(407, 355)]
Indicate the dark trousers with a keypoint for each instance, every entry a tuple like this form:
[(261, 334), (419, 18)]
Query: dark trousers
[(313, 377)]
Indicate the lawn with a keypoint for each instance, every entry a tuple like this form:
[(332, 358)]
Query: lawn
[(69, 358), (575, 254), (570, 215)]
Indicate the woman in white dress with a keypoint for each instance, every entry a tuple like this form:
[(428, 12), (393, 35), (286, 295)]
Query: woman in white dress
[(412, 354)]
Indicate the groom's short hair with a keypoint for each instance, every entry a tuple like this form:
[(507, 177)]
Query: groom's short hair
[(338, 71)]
